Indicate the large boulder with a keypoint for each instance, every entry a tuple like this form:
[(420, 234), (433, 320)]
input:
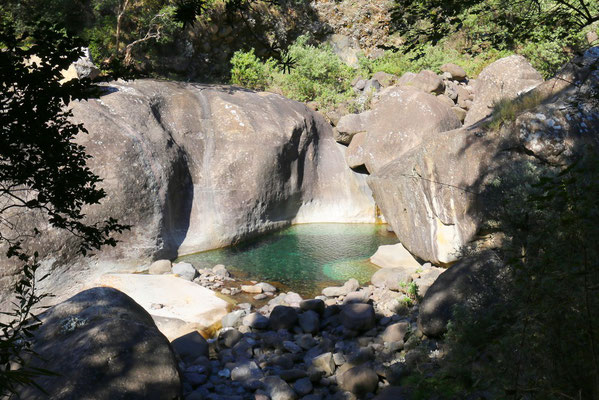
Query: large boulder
[(504, 79), (394, 256), (435, 196), (402, 118), (470, 278), (177, 305), (350, 125), (103, 345), (195, 167)]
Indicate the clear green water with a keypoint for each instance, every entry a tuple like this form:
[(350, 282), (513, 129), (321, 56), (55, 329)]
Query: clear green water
[(303, 258)]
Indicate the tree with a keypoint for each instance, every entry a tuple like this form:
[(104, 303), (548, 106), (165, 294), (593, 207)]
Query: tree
[(42, 170), (421, 21)]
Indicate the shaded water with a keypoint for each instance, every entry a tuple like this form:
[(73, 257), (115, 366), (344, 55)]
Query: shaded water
[(303, 258)]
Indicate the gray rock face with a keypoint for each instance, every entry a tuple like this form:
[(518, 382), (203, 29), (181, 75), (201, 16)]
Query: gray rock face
[(103, 345), (402, 118), (204, 167), (503, 79), (324, 363), (431, 195), (468, 278)]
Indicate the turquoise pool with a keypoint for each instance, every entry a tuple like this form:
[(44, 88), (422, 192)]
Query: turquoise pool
[(303, 258)]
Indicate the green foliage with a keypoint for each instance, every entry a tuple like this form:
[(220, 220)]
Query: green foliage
[(42, 171), (547, 32), (540, 339), (317, 75), (249, 71), (507, 110)]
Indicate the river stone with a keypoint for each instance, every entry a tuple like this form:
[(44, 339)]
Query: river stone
[(357, 316), (396, 332), (394, 256), (303, 386), (283, 317), (309, 321), (185, 306), (403, 118), (266, 287), (360, 380), (229, 338), (251, 288), (160, 267), (456, 71), (246, 370), (232, 319), (185, 271), (313, 305), (220, 270), (334, 291), (195, 167), (503, 79), (190, 346), (104, 346), (256, 321), (392, 278), (324, 363), (278, 389)]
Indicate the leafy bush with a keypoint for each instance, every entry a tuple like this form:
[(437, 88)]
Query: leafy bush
[(317, 75), (249, 71)]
